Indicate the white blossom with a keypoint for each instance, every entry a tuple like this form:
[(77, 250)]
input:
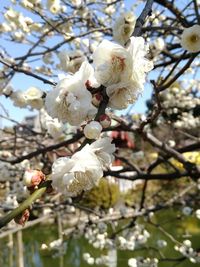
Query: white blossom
[(161, 243), (80, 173), (11, 14), (112, 63), (86, 256), (123, 27), (7, 90), (18, 99), (70, 61), (187, 250), (90, 261), (140, 64), (132, 262), (121, 95), (5, 27), (47, 58), (33, 97), (77, 3), (104, 149), (54, 128), (190, 39), (84, 169), (122, 71), (70, 101), (187, 243), (53, 6), (19, 36), (159, 44)]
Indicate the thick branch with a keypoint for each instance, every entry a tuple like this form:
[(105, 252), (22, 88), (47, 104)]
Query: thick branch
[(141, 19)]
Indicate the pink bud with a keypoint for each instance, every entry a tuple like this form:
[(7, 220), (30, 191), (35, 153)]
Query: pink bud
[(96, 99), (88, 85), (22, 218), (33, 178), (105, 120)]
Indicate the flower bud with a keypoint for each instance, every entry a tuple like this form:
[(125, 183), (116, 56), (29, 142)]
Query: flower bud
[(105, 120), (22, 218), (96, 99), (92, 130), (33, 178), (88, 85), (187, 243)]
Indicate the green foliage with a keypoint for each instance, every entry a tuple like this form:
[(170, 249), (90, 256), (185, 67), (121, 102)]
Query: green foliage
[(104, 196)]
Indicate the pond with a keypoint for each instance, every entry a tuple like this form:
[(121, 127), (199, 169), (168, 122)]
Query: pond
[(179, 226)]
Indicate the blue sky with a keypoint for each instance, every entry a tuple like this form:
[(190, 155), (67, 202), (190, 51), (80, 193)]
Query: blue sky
[(22, 82)]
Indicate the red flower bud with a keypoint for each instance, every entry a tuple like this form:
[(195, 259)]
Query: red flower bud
[(88, 85), (33, 178), (22, 218), (105, 120), (96, 99)]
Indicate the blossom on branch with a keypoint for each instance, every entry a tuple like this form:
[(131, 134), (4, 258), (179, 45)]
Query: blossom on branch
[(112, 63), (190, 39), (18, 99), (84, 169), (54, 6), (70, 101), (33, 97), (104, 149), (122, 70), (80, 173), (124, 27), (121, 95), (70, 61)]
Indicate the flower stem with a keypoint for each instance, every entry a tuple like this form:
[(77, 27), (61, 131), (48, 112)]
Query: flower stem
[(24, 205)]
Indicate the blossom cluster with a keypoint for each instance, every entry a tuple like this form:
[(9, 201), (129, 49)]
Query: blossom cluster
[(119, 72), (181, 107), (32, 97), (18, 25), (187, 250), (128, 240), (116, 75), (115, 67), (142, 262), (110, 78), (57, 247), (108, 260), (97, 236), (136, 237)]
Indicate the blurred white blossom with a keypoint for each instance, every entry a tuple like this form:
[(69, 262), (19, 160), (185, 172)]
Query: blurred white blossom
[(123, 27), (190, 39)]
